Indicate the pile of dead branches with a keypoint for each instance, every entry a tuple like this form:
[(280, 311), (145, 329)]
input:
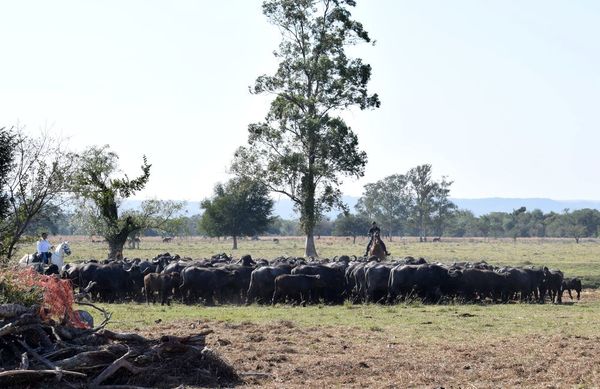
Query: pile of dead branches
[(36, 351)]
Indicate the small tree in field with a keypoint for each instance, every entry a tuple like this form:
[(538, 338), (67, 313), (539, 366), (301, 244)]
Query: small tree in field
[(351, 225), (303, 148), (386, 201), (35, 183), (241, 207), (99, 194)]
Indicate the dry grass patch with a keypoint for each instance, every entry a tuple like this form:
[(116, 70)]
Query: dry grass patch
[(274, 355)]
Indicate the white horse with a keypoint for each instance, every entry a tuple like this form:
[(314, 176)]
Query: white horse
[(58, 257)]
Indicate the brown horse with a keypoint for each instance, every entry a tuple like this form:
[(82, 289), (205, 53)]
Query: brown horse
[(376, 249)]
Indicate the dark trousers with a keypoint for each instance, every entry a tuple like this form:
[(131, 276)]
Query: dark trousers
[(45, 257)]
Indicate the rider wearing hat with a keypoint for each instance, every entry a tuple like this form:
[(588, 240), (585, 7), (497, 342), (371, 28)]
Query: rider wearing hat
[(43, 249), (375, 230)]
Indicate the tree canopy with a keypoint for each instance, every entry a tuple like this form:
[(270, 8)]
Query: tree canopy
[(6, 159), (100, 193), (303, 148), (408, 203), (241, 207), (35, 183)]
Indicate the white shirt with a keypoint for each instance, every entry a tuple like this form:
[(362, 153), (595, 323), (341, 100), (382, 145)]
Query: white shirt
[(43, 246)]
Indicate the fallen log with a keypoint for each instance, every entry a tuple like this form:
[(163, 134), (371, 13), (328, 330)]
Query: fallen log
[(86, 359), (127, 337), (12, 377), (112, 369), (8, 311)]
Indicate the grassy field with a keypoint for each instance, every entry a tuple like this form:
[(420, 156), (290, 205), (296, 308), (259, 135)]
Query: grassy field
[(575, 260), (407, 345)]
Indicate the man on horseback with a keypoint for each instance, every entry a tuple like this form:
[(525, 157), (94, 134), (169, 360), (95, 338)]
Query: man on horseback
[(375, 230), (43, 249)]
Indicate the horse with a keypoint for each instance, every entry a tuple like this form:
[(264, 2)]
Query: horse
[(376, 249), (62, 250)]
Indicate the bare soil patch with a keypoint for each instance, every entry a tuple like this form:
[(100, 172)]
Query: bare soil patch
[(282, 354)]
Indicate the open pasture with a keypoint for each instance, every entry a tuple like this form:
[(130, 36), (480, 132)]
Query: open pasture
[(405, 345)]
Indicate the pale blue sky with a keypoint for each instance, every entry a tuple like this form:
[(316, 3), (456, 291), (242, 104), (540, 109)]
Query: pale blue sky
[(501, 96)]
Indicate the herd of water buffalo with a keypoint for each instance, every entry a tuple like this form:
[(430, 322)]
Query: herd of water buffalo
[(297, 280)]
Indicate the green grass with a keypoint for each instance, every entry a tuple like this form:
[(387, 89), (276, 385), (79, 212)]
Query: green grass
[(425, 322)]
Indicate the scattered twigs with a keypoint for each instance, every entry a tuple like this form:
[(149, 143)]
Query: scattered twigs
[(85, 359), (255, 374), (107, 315), (85, 293), (127, 337), (63, 352), (37, 356), (13, 328), (24, 362), (8, 311), (34, 375), (116, 365), (122, 387), (44, 353)]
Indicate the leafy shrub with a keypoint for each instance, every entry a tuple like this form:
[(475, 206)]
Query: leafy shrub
[(28, 288)]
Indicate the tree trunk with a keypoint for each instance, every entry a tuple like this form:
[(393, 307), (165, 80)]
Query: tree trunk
[(310, 250), (234, 242), (353, 239), (115, 248)]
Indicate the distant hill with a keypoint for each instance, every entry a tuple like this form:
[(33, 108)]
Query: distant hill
[(285, 209)]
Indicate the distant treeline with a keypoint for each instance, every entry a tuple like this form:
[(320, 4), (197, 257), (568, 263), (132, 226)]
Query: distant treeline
[(576, 224)]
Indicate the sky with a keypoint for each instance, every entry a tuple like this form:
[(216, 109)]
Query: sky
[(500, 96)]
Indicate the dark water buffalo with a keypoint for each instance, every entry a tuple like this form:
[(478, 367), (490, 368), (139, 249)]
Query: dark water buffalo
[(350, 291), (206, 283), (71, 272), (518, 281), (262, 282), (536, 277), (376, 281), (427, 281), (483, 284), (175, 267), (163, 284), (298, 287), (112, 281), (243, 270), (571, 284), (333, 292), (552, 284), (360, 285)]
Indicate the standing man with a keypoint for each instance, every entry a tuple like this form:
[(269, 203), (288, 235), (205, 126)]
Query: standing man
[(375, 230), (43, 249)]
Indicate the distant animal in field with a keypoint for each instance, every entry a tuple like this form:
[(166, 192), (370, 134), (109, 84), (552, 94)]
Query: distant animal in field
[(163, 284), (572, 284), (167, 239), (134, 243)]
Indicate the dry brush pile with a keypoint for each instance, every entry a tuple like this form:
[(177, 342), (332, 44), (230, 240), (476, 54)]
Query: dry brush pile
[(44, 343)]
